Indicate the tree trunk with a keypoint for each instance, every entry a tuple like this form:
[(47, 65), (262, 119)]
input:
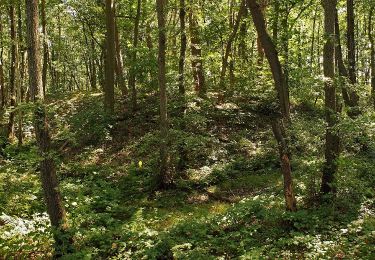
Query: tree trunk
[(13, 71), (340, 61), (45, 45), (120, 64), (372, 42), (49, 180), (196, 53), (272, 56), (109, 86), (2, 85), (22, 75), (312, 54), (181, 64), (228, 47), (181, 83), (275, 23), (164, 178), (332, 139), (93, 66), (279, 80), (280, 135), (351, 51), (263, 6), (132, 72), (242, 48)]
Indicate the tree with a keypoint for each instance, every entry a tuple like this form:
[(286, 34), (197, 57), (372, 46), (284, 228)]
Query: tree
[(228, 47), (132, 72), (372, 54), (196, 52), (332, 139), (119, 64), (272, 57), (181, 82), (110, 58), (351, 52), (48, 176), (280, 84), (45, 45), (13, 71), (2, 83), (164, 179), (181, 64)]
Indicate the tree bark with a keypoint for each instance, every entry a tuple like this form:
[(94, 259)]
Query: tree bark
[(351, 51), (196, 53), (279, 80), (263, 7), (13, 71), (48, 176), (109, 95), (45, 45), (275, 23), (272, 57), (312, 54), (120, 64), (181, 64), (93, 66), (164, 178), (21, 74), (181, 83), (332, 139), (372, 54), (228, 47), (132, 72), (2, 85), (280, 135), (340, 61)]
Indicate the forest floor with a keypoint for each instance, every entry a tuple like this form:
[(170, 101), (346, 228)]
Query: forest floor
[(227, 205)]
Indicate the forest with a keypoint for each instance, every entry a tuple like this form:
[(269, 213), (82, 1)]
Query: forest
[(187, 129)]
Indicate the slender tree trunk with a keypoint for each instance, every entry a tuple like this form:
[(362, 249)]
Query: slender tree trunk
[(93, 66), (279, 80), (280, 136), (87, 57), (242, 48), (13, 71), (275, 23), (57, 53), (228, 47), (22, 76), (181, 64), (340, 61), (284, 44), (196, 53), (312, 54), (181, 83), (109, 95), (263, 7), (272, 57), (49, 180), (372, 62), (2, 85), (332, 139), (45, 45), (120, 64), (164, 178), (351, 52), (132, 72)]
